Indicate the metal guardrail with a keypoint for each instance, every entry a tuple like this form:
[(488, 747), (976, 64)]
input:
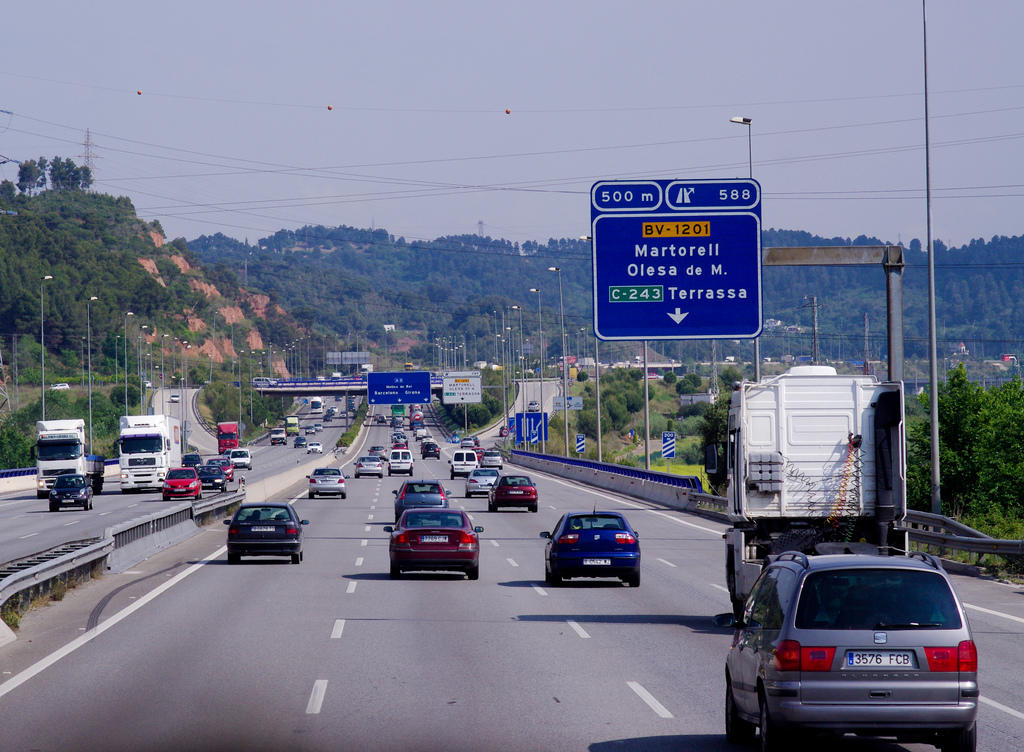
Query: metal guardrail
[(681, 481)]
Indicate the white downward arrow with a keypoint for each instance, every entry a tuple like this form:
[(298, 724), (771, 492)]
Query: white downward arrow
[(678, 316)]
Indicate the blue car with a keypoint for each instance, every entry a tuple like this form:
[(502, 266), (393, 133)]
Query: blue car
[(592, 544)]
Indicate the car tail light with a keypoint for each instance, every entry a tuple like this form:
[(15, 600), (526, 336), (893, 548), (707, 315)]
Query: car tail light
[(787, 656), (625, 538), (816, 659), (232, 530), (467, 541), (941, 659), (569, 538), (313, 481), (402, 539), (291, 531), (967, 656)]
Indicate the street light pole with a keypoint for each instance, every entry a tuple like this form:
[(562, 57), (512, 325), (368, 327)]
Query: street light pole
[(142, 383), (746, 121), (129, 313), (163, 375), (565, 363), (42, 342), (540, 363), (88, 331)]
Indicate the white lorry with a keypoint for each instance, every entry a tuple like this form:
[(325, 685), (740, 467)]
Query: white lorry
[(60, 448), (816, 462), (149, 446)]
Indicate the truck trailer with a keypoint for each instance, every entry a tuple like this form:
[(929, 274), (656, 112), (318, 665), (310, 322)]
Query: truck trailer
[(60, 449), (816, 463), (227, 437), (149, 446)]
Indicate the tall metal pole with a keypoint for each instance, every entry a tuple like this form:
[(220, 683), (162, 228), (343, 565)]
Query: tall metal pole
[(647, 414), (129, 313), (746, 121), (163, 374), (540, 338), (597, 390), (88, 329), (933, 358), (42, 342), (565, 361)]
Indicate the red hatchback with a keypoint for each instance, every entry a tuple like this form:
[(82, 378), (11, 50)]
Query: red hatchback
[(182, 482), (513, 491), (225, 464), (435, 539)]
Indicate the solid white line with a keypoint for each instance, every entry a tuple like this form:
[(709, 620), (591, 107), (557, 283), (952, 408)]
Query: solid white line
[(667, 563), (579, 630), (990, 612), (998, 706), (540, 590), (351, 587), (339, 627), (512, 562), (23, 537), (359, 561), (316, 698), (16, 681), (493, 542), (647, 697)]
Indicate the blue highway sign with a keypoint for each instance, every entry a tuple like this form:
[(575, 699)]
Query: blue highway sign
[(531, 428), (398, 387), (676, 259), (581, 443), (668, 445)]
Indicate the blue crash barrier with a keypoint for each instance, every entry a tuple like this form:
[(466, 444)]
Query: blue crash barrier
[(682, 481)]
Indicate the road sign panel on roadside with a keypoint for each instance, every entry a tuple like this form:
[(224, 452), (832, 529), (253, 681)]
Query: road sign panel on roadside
[(676, 259), (668, 445), (581, 443), (531, 427), (461, 387)]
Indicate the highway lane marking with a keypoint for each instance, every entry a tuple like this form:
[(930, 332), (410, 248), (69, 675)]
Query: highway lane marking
[(363, 542), (366, 529), (16, 681), (667, 563), (104, 514), (540, 590), (512, 562), (633, 504), (369, 517), (493, 542), (339, 627), (316, 697), (359, 561), (73, 522), (23, 537), (723, 588), (647, 697), (990, 612), (351, 587), (132, 505), (998, 706), (578, 630)]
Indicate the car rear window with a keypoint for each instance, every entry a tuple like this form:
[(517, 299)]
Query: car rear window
[(433, 519), (369, 459), (263, 514), (431, 488), (327, 471), (485, 473), (516, 480), (876, 599), (596, 522)]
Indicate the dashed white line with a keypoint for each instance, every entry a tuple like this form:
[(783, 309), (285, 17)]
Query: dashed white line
[(716, 586), (132, 505), (73, 522), (363, 542), (103, 514), (667, 563), (351, 587), (369, 517), (578, 630), (23, 537), (540, 590), (316, 698), (359, 561), (647, 697), (339, 627), (367, 529), (495, 543), (512, 562)]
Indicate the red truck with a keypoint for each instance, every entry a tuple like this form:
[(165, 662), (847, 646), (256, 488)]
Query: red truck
[(227, 437)]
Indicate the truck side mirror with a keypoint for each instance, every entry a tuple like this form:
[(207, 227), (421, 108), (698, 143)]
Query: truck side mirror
[(711, 459)]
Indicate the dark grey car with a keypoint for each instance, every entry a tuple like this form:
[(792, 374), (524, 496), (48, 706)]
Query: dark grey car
[(420, 493), (852, 643)]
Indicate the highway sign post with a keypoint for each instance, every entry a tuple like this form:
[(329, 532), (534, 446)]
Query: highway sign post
[(398, 387), (676, 259)]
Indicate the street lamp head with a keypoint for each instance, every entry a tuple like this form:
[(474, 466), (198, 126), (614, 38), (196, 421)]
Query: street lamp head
[(515, 308), (129, 313), (534, 289), (93, 298), (48, 276), (741, 120), (554, 268)]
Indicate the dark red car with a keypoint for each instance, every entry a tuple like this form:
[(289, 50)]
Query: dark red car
[(182, 483), (513, 491), (226, 465), (434, 539), (479, 453)]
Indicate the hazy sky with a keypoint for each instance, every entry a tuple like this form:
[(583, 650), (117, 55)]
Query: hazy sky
[(232, 131)]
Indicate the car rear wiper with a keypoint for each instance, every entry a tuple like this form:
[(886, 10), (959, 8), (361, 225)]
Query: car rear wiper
[(908, 625)]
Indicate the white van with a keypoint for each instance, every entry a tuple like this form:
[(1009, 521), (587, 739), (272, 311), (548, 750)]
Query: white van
[(262, 382), (400, 461), (463, 462)]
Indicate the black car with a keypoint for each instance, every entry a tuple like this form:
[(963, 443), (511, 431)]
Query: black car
[(415, 494), (212, 476), (191, 460), (380, 420), (430, 449), (71, 489), (265, 529), (300, 442)]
